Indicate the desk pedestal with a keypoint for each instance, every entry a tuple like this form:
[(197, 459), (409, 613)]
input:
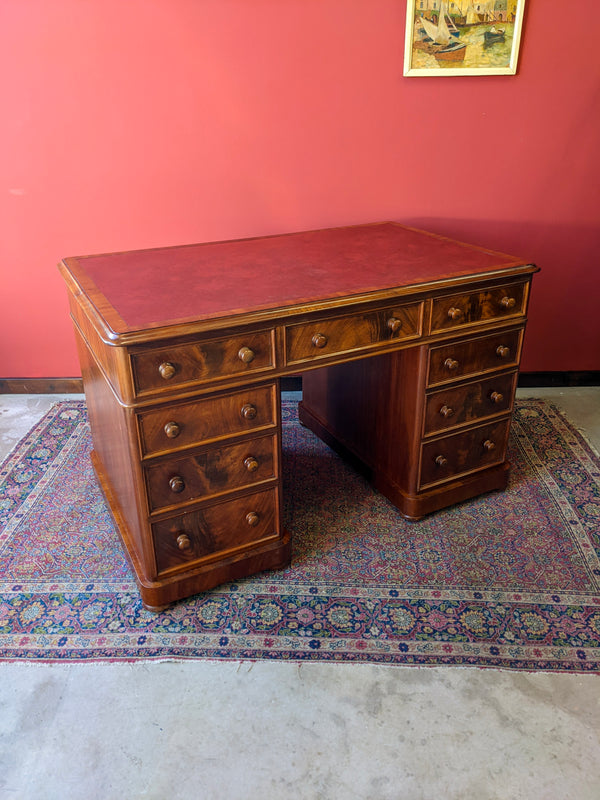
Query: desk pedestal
[(415, 448)]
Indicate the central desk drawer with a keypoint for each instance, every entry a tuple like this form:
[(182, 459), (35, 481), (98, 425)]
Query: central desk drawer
[(203, 361), (215, 531), (213, 471), (333, 336), (470, 357), (179, 426)]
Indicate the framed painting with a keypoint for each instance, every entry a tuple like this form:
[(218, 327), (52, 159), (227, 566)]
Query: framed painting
[(462, 37)]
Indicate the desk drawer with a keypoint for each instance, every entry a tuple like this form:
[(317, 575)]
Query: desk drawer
[(474, 356), (213, 471), (203, 361), (463, 453), (215, 531), (329, 337), (460, 310), (471, 402), (176, 427)]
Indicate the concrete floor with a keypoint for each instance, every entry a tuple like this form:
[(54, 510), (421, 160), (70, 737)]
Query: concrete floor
[(222, 731)]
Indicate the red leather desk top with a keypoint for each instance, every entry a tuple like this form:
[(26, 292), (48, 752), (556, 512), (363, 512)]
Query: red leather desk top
[(145, 289)]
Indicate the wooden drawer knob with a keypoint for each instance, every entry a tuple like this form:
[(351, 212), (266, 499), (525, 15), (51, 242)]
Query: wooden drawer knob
[(441, 461), (319, 340), (496, 397), (394, 324), (167, 370), (451, 364), (252, 519), (488, 445), (177, 484), (248, 411), (246, 355), (502, 351), (446, 412), (183, 541), (508, 302), (251, 464), (172, 430), (455, 314)]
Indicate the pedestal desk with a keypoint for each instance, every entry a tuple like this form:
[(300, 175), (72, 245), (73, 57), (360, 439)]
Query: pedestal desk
[(409, 344)]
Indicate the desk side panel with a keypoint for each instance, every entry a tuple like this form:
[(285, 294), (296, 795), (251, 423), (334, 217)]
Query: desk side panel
[(115, 460), (112, 361)]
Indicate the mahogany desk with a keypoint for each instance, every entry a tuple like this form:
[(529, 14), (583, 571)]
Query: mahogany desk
[(410, 343)]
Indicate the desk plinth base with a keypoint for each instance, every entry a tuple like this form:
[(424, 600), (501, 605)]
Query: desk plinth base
[(412, 506), (158, 594), (415, 507)]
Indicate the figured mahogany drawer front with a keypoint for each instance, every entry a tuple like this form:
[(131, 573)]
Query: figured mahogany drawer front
[(215, 531), (460, 405), (462, 453), (460, 310), (355, 332), (213, 471), (203, 361), (175, 427), (474, 356)]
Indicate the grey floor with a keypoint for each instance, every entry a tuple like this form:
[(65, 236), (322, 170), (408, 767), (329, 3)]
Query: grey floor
[(273, 730)]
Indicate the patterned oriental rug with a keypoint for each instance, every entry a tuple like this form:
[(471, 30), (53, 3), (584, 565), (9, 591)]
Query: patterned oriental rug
[(509, 580)]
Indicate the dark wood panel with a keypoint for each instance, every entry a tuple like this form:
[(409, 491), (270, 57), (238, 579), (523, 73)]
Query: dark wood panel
[(461, 453), (41, 385), (533, 379), (454, 406), (475, 356), (182, 425), (336, 336), (215, 531), (116, 459), (461, 310), (210, 472), (203, 360), (112, 361)]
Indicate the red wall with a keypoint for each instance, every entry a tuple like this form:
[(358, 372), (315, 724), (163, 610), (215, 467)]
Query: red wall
[(156, 122)]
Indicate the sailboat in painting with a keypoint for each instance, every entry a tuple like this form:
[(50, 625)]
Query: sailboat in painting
[(440, 40)]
